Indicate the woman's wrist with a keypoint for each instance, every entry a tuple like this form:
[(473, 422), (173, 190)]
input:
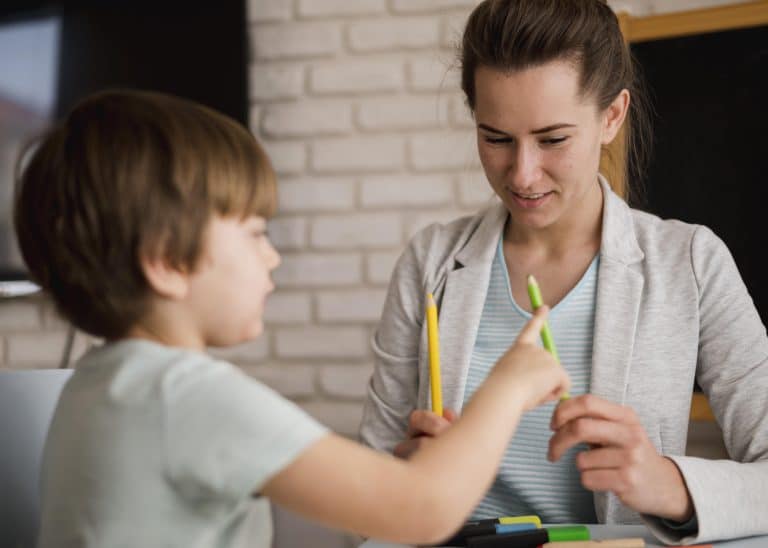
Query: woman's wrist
[(679, 505)]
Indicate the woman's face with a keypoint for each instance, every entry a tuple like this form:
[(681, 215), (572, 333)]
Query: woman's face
[(540, 142)]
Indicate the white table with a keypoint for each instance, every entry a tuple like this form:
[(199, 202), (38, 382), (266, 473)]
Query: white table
[(599, 532)]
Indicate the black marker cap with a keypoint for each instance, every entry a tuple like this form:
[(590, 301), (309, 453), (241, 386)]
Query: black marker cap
[(522, 539)]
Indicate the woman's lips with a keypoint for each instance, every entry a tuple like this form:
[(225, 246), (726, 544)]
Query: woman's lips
[(530, 200)]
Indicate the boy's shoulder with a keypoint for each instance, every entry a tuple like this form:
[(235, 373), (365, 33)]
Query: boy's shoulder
[(141, 372), (137, 373)]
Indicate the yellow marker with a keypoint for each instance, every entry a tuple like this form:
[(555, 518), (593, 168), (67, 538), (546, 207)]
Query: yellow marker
[(546, 335), (434, 356), (536, 520)]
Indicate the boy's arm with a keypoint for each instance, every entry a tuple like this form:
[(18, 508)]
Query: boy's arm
[(423, 500)]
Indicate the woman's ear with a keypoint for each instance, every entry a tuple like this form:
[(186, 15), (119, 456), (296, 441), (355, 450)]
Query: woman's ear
[(614, 116), (165, 279)]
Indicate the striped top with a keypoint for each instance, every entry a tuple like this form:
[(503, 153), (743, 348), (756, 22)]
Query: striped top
[(527, 483)]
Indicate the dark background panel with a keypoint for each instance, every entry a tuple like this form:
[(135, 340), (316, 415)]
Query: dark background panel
[(710, 151), (195, 50)]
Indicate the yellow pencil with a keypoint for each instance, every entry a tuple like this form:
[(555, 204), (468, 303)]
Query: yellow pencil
[(434, 356)]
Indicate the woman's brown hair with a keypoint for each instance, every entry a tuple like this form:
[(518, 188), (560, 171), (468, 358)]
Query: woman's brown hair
[(510, 35), (129, 174)]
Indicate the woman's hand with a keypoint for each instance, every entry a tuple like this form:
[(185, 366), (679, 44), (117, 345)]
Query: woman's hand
[(621, 458), (422, 426)]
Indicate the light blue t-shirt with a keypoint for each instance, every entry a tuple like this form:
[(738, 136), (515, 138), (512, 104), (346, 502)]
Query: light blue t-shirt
[(527, 483), (157, 446)]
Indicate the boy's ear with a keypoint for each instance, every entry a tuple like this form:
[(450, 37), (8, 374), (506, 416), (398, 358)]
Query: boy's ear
[(165, 279)]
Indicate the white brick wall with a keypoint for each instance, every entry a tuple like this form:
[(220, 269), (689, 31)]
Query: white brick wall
[(358, 154), (20, 315), (397, 113), (294, 40), (308, 269), (307, 119), (315, 193), (340, 8), (358, 104), (373, 230), (268, 82), (321, 342), (356, 76), (361, 305), (386, 191), (388, 34)]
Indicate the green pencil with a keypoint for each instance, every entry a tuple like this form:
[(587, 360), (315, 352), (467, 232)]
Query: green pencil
[(546, 335)]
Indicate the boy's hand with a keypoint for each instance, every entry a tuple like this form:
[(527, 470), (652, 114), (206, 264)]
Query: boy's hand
[(537, 373), (423, 425)]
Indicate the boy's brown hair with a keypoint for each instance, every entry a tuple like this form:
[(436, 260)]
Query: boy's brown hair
[(130, 174)]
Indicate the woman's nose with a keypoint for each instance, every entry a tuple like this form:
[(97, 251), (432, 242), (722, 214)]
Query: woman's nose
[(525, 167)]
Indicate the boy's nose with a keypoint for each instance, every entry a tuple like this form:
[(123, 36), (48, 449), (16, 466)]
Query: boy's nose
[(273, 257)]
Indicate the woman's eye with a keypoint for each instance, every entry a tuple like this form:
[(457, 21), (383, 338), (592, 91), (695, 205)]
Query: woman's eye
[(554, 140), (498, 140)]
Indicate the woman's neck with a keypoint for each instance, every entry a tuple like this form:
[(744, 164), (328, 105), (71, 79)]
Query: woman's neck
[(580, 226)]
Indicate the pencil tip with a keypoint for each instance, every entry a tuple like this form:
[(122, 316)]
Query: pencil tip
[(430, 299), (531, 279)]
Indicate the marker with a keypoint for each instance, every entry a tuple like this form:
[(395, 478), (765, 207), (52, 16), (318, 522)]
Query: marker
[(568, 533), (546, 335), (611, 543), (484, 529), (522, 539), (508, 520), (531, 538), (434, 356), (536, 520)]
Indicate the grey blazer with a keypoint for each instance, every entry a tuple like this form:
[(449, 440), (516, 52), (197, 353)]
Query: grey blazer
[(671, 307)]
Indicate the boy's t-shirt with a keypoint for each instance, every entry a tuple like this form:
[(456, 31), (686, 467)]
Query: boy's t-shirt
[(158, 446)]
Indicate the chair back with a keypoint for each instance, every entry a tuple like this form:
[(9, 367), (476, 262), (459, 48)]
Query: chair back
[(27, 402)]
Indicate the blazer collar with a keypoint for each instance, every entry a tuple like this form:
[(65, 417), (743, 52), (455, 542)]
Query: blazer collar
[(619, 240), (481, 245)]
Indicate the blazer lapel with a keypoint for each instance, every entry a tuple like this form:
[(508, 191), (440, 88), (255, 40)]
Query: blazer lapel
[(620, 287), (461, 306)]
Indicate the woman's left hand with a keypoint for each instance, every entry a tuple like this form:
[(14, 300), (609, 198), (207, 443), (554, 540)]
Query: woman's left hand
[(621, 458)]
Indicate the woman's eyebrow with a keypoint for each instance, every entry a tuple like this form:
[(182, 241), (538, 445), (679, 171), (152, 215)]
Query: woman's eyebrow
[(553, 127), (546, 129)]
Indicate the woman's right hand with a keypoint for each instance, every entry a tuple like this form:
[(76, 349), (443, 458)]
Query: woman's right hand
[(423, 425)]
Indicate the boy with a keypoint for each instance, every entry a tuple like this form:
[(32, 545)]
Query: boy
[(143, 216)]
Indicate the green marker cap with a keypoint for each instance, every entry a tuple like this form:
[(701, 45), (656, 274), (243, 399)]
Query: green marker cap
[(567, 533)]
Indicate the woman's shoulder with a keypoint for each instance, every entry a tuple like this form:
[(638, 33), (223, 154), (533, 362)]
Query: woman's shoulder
[(654, 232), (438, 243)]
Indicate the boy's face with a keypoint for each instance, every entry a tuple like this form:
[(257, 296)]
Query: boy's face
[(228, 289)]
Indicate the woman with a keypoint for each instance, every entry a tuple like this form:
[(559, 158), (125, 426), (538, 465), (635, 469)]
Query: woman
[(550, 84)]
